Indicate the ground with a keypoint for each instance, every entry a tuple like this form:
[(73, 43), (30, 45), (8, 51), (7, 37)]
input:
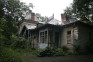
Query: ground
[(78, 58)]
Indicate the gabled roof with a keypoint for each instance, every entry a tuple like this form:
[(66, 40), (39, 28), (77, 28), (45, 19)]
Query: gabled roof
[(77, 23)]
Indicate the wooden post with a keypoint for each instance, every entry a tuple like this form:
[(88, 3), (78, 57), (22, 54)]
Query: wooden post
[(24, 33), (39, 36), (28, 35)]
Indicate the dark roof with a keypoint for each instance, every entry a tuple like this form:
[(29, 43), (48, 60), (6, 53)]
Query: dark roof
[(48, 26), (76, 23)]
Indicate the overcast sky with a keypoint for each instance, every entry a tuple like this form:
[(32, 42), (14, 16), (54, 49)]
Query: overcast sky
[(49, 7)]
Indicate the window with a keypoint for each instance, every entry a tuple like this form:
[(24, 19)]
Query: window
[(68, 37), (43, 36), (68, 32)]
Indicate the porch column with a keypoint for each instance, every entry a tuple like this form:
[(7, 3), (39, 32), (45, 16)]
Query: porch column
[(24, 33), (39, 36), (28, 35), (47, 36), (30, 38)]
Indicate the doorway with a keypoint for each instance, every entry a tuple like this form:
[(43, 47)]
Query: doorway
[(57, 39)]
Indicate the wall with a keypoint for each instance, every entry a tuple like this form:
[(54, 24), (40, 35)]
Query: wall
[(84, 36), (79, 33), (64, 36)]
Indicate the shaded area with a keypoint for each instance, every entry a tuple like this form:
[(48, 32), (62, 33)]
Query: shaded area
[(79, 58)]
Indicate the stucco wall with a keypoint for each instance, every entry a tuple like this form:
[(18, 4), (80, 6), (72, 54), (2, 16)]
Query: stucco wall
[(79, 33), (64, 37), (74, 36)]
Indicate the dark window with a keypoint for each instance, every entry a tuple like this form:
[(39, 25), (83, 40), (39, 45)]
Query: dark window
[(68, 32), (68, 37)]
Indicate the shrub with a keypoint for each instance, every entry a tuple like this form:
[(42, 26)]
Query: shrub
[(65, 48), (8, 55), (52, 51), (18, 42), (49, 51), (59, 52), (27, 52), (76, 47)]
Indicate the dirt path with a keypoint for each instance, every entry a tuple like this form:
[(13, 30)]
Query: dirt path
[(82, 58)]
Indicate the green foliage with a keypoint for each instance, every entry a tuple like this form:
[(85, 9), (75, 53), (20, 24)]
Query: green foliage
[(81, 9), (27, 52), (53, 51), (49, 51), (44, 18), (76, 47), (10, 13), (15, 8), (18, 42), (60, 52), (65, 48), (2, 27), (8, 55)]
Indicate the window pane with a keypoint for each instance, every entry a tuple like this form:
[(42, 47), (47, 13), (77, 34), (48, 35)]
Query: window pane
[(68, 37), (68, 32), (43, 36)]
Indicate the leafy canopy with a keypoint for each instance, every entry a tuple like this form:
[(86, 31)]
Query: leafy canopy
[(81, 9), (11, 11)]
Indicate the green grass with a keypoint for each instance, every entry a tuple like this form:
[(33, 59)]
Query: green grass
[(25, 60), (27, 52)]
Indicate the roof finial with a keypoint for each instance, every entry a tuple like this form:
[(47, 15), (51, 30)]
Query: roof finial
[(53, 15)]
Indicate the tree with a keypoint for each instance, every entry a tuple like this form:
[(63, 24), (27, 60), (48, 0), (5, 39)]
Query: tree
[(11, 11), (44, 18), (69, 12), (81, 9)]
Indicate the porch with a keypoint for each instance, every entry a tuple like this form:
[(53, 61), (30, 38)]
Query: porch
[(49, 35)]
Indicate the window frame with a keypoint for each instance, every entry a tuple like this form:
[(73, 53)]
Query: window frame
[(68, 36)]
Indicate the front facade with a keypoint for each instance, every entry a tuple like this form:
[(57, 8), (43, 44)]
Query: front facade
[(43, 35)]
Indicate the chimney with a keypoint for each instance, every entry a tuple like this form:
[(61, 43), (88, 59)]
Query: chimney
[(64, 18), (32, 16)]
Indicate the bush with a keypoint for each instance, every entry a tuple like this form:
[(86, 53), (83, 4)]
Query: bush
[(59, 52), (27, 52), (65, 48), (76, 47), (8, 55), (18, 42), (49, 51), (52, 51)]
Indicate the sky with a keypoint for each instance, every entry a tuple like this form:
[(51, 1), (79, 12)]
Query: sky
[(49, 7)]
